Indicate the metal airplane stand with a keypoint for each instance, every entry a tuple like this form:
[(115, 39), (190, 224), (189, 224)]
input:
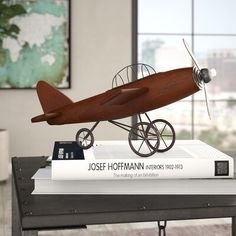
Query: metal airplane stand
[(145, 138)]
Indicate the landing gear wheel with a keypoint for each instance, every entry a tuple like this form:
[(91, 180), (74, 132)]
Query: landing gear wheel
[(166, 133), (84, 138), (144, 139)]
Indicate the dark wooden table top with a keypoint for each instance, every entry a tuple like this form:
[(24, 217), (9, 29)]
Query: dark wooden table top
[(55, 211)]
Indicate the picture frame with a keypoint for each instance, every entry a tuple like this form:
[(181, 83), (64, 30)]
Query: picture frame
[(37, 44)]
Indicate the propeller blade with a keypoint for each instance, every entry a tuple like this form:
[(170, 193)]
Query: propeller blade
[(191, 54), (212, 74), (206, 100)]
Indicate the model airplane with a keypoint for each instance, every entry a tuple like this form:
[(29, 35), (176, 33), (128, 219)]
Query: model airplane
[(151, 92)]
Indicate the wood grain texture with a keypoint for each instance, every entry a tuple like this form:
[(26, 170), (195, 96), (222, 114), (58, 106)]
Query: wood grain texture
[(151, 92)]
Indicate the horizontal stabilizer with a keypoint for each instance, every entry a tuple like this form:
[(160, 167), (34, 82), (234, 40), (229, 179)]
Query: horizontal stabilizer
[(123, 96), (44, 117)]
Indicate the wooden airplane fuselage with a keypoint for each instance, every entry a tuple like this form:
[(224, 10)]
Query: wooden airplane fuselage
[(151, 92)]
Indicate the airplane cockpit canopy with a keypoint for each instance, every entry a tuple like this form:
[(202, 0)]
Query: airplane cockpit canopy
[(131, 73)]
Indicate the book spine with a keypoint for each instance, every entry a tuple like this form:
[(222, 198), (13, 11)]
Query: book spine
[(140, 169)]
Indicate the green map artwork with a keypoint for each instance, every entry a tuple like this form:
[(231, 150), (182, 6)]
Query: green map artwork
[(40, 50)]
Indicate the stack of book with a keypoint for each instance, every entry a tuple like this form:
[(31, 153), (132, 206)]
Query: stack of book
[(110, 167)]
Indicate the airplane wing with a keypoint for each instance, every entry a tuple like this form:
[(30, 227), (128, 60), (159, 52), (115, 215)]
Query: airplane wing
[(123, 96)]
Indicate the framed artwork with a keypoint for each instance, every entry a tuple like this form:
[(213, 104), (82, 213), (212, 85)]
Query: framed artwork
[(34, 43)]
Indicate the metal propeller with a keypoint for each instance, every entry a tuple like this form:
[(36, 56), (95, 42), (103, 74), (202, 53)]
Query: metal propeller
[(205, 75)]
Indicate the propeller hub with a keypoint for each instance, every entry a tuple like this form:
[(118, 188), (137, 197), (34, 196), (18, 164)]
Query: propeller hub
[(205, 75)]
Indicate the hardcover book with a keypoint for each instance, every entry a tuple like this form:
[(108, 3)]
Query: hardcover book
[(114, 160), (45, 185)]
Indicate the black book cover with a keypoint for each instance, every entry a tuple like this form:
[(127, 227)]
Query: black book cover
[(67, 150)]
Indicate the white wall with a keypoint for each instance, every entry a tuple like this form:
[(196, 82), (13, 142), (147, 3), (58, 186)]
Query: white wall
[(101, 45)]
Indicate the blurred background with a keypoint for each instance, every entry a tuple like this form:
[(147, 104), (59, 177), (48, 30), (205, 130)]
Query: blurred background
[(208, 27)]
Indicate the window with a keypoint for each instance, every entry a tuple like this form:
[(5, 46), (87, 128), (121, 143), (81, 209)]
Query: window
[(208, 27)]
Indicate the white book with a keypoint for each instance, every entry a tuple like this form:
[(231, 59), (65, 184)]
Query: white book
[(45, 185), (115, 160)]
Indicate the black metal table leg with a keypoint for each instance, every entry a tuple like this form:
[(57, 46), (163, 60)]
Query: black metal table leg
[(16, 222), (233, 226), (162, 228)]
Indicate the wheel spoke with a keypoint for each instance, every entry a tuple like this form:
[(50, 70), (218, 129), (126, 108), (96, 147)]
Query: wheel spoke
[(164, 141), (148, 145), (163, 129), (85, 138), (166, 133), (145, 133), (141, 145)]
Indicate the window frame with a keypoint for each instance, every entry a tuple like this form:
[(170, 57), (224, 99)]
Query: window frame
[(135, 36)]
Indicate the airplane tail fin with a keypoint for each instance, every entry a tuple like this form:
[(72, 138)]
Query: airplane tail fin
[(51, 98)]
